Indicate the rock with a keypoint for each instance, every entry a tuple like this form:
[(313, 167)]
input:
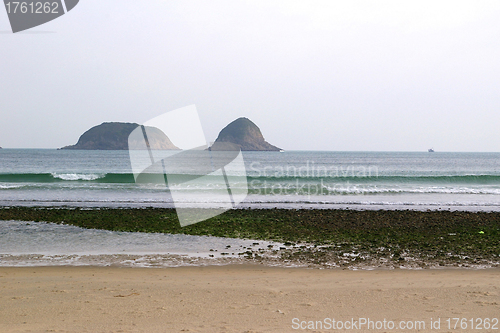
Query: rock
[(114, 136), (245, 135)]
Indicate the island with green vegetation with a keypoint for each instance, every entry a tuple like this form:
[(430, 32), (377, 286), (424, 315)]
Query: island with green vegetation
[(317, 238), (115, 136)]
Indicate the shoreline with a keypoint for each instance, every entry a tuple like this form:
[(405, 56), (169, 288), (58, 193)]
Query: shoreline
[(435, 207), (314, 238), (237, 298), (174, 262)]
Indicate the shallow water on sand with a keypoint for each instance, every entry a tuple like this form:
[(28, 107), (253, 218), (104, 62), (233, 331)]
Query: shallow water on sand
[(38, 243)]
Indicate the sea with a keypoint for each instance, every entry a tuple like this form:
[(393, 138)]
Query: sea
[(289, 180)]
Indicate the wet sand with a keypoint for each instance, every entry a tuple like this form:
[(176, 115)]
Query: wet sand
[(239, 298)]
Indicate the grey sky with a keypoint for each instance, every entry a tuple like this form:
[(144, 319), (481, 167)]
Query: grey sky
[(313, 75)]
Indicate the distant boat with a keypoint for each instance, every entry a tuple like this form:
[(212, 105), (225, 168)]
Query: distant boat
[(282, 151), (431, 150)]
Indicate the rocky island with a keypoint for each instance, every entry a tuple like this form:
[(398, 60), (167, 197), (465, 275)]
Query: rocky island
[(240, 134), (114, 136), (244, 134)]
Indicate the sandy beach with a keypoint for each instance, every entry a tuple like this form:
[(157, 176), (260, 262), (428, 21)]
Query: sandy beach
[(242, 298)]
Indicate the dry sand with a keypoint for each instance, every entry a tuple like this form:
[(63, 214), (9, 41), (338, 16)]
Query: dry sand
[(238, 298)]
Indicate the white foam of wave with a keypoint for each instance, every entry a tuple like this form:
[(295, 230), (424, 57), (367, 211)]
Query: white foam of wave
[(364, 190), (120, 260), (8, 187), (76, 176), (287, 189)]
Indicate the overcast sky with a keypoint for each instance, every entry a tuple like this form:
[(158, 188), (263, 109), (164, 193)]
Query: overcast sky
[(313, 75)]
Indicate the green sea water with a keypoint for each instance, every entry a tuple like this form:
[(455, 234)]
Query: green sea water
[(293, 179)]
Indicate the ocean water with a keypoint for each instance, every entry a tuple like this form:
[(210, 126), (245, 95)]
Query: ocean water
[(292, 179), (295, 179)]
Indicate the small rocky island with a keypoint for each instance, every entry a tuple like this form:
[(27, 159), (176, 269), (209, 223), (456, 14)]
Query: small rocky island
[(244, 134), (240, 134), (114, 136)]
